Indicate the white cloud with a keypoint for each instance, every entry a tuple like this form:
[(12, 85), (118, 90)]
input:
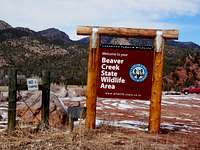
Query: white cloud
[(41, 14), (166, 7)]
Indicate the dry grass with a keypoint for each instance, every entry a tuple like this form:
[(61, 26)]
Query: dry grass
[(3, 88), (103, 138)]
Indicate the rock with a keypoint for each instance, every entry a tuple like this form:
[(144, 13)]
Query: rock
[(59, 90), (76, 92), (4, 25), (55, 35), (30, 110)]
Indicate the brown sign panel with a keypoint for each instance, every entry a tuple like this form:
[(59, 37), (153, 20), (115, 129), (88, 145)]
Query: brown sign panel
[(125, 72)]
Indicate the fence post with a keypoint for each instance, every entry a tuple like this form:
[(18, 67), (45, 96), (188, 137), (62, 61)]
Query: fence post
[(45, 97), (12, 76)]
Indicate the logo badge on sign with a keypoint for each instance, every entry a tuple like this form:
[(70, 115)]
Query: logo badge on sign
[(138, 73)]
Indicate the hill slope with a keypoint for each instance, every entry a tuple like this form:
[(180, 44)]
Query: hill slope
[(30, 52), (52, 49), (4, 25)]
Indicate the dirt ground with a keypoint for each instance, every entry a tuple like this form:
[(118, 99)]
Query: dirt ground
[(105, 137), (179, 113), (121, 124)]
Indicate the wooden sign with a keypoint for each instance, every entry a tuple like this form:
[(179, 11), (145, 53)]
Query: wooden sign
[(125, 71), (137, 71)]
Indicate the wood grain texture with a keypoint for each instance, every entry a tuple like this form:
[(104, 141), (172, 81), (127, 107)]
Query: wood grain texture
[(12, 75), (155, 104), (127, 32), (91, 93), (45, 97)]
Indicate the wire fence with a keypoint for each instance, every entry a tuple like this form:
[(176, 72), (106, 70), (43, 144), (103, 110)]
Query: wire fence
[(67, 69)]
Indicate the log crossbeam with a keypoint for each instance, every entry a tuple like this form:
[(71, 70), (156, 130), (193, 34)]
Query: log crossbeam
[(127, 32)]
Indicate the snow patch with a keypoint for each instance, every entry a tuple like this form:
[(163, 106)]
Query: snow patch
[(182, 97), (125, 105), (106, 107), (194, 98), (141, 102), (81, 98), (138, 125), (177, 118), (99, 108)]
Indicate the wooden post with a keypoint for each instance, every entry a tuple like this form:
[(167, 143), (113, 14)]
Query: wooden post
[(12, 75), (91, 94), (45, 97), (156, 94)]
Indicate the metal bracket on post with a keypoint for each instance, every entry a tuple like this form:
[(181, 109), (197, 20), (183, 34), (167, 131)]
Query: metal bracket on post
[(159, 38), (94, 37)]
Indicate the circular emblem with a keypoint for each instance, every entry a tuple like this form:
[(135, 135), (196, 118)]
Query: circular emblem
[(138, 73)]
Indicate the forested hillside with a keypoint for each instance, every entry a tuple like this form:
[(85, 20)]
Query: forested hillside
[(31, 52)]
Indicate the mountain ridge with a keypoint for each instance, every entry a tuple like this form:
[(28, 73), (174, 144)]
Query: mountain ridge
[(56, 34), (67, 59), (4, 25)]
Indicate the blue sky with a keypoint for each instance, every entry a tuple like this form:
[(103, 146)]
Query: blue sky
[(66, 15)]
